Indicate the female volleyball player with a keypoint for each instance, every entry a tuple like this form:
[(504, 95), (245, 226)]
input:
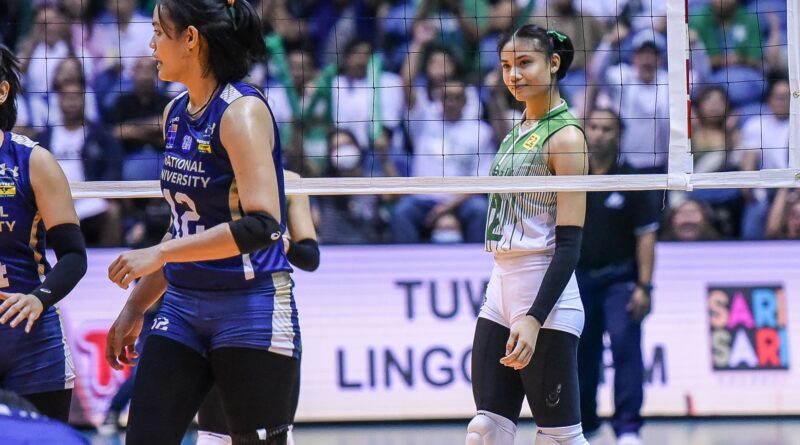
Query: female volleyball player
[(35, 206), (228, 317), (526, 339), (302, 251)]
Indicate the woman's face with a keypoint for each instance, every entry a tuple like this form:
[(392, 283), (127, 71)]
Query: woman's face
[(688, 222), (713, 106), (68, 71), (527, 72), (171, 53), (345, 156)]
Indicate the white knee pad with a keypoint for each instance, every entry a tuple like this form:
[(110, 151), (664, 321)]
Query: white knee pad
[(209, 438), (290, 436), (565, 435), (490, 429)]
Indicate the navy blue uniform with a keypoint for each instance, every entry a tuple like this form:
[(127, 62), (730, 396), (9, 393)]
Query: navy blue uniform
[(607, 274), (242, 301), (20, 427), (39, 361)]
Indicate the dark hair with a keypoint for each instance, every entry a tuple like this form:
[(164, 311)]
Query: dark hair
[(548, 41), (614, 115), (9, 72), (434, 48), (234, 34), (81, 80), (773, 81)]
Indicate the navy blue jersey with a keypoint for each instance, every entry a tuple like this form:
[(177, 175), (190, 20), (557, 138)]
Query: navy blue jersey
[(20, 427), (197, 181), (23, 264)]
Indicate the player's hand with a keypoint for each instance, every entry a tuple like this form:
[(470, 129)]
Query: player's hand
[(24, 306), (134, 264), (521, 343), (121, 340), (286, 244), (639, 304)]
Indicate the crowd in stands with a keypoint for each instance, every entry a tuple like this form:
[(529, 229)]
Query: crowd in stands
[(413, 88)]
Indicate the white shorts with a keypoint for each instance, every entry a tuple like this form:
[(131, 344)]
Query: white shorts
[(513, 288)]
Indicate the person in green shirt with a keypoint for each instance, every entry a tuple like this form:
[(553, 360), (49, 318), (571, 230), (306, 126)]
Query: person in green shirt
[(729, 33)]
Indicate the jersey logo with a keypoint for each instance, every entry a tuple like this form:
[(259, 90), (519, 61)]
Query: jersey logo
[(204, 144), (160, 324), (530, 143), (172, 132), (554, 397), (187, 143), (7, 189), (14, 170)]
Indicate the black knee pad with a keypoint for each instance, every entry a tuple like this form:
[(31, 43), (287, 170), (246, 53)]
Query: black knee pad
[(272, 436)]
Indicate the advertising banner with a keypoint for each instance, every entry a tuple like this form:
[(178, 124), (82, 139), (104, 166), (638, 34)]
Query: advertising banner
[(387, 332)]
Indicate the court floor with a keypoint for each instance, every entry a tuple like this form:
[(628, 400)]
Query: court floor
[(656, 432)]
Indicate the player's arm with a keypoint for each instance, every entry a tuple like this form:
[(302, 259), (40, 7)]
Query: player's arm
[(302, 249), (249, 142), (567, 155), (54, 201)]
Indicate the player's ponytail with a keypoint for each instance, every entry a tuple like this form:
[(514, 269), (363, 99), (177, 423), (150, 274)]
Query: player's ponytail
[(231, 29), (548, 41), (9, 72)]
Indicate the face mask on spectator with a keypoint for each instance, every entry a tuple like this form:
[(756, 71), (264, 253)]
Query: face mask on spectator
[(345, 157), (446, 236)]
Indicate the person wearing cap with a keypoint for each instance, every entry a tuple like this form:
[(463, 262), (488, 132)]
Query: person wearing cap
[(639, 92)]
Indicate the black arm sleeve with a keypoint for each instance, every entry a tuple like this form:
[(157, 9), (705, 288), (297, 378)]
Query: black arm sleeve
[(565, 258), (254, 231), (67, 242), (304, 254)]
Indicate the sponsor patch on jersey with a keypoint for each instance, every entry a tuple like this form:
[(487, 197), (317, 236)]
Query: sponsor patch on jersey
[(531, 142), (8, 188), (172, 132), (204, 144)]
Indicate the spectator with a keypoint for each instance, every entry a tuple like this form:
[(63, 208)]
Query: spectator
[(765, 145), (44, 107), (334, 23), (714, 132), (615, 275), (501, 109), (355, 84), (639, 92), (136, 119), (121, 36), (453, 146), (348, 219), (49, 43), (732, 40), (459, 24), (87, 152), (585, 31), (690, 221), (784, 216), (714, 135), (300, 100), (426, 69)]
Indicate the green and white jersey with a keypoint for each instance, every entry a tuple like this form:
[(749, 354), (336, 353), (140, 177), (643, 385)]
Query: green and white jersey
[(524, 223)]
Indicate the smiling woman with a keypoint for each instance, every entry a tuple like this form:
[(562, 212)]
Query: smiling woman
[(527, 334)]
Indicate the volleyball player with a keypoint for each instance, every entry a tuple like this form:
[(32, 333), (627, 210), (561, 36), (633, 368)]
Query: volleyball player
[(302, 251), (35, 207), (526, 339), (228, 317)]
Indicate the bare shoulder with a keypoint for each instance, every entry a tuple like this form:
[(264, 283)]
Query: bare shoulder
[(568, 140)]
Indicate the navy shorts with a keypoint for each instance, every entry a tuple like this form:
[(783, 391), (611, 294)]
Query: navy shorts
[(36, 362), (264, 317)]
